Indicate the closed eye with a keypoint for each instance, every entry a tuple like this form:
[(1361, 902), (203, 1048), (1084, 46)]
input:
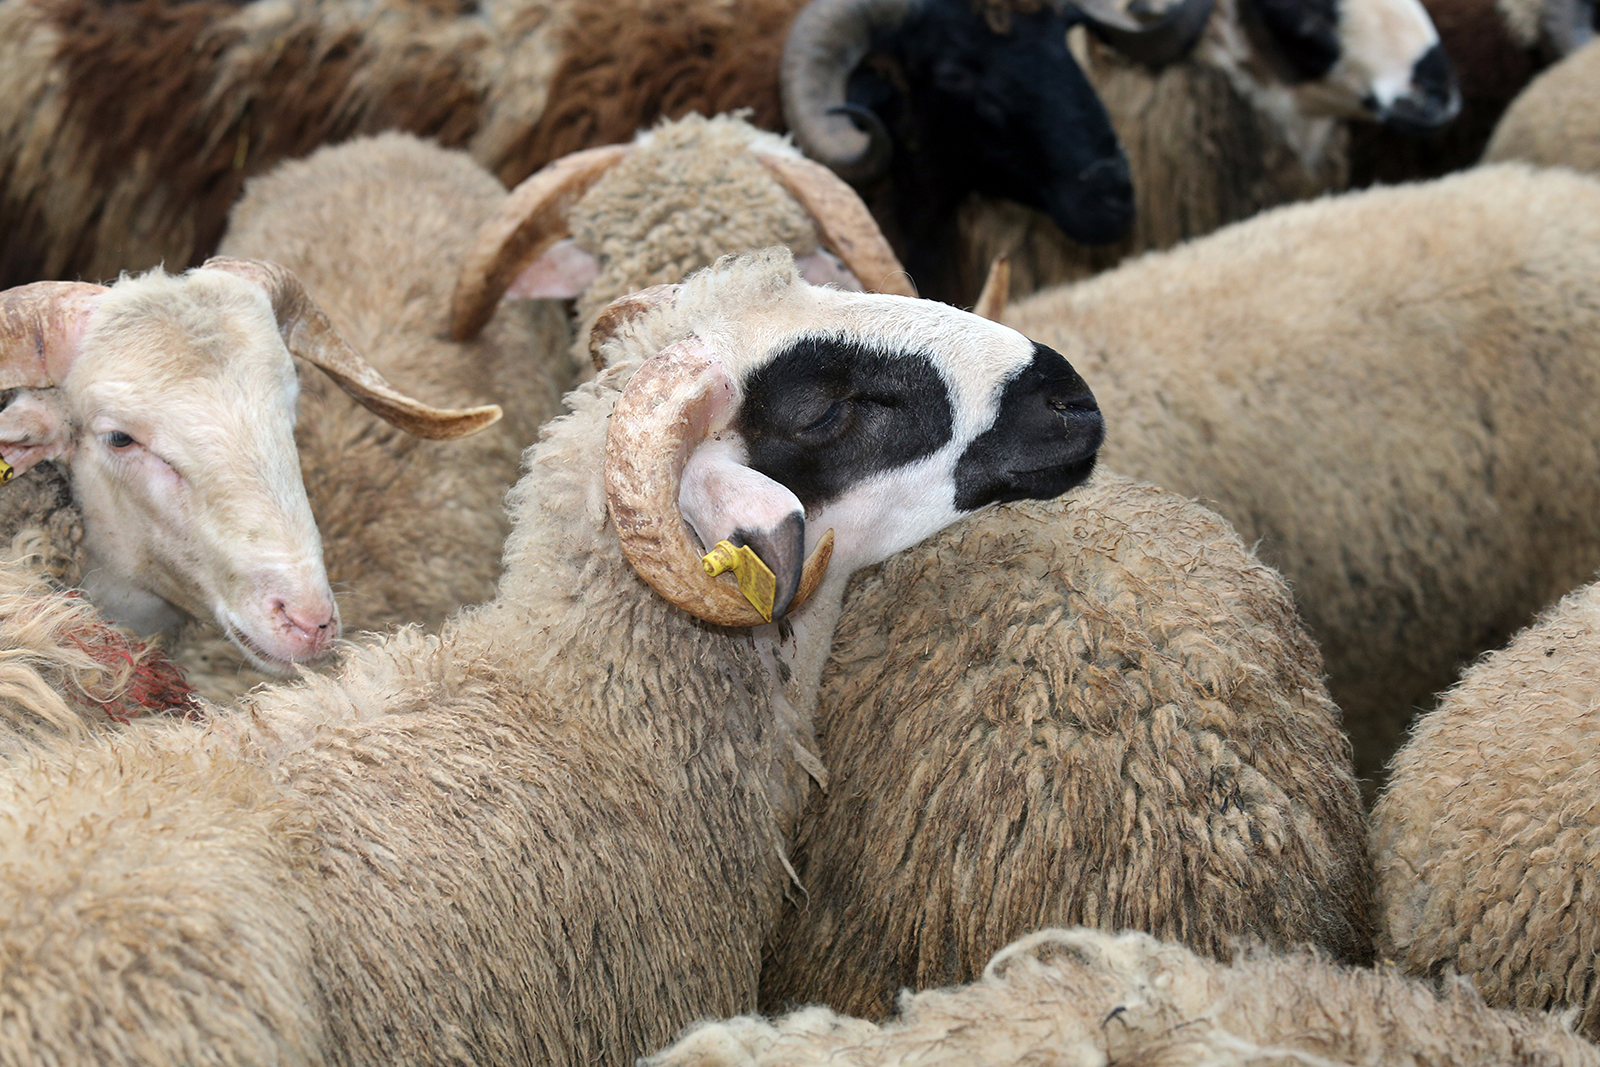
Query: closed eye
[(828, 418)]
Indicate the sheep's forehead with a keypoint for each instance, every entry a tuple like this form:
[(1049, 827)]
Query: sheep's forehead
[(973, 356), (161, 335)]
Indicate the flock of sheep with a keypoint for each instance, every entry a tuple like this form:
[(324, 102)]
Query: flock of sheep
[(389, 714)]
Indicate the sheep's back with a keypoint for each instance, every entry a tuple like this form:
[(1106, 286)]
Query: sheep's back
[(1487, 834), (1553, 122), (1097, 710), (1388, 392)]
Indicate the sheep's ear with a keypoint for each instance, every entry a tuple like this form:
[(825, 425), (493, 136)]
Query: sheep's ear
[(563, 271), (34, 427)]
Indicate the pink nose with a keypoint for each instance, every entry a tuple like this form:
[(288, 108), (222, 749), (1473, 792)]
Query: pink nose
[(308, 628)]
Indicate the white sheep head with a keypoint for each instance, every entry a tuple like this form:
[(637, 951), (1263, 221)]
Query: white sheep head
[(171, 402)]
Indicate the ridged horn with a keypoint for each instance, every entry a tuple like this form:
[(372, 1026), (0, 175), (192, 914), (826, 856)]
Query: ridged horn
[(39, 323), (667, 408), (530, 220), (1153, 36), (996, 289), (825, 43), (623, 310), (848, 228), (309, 334)]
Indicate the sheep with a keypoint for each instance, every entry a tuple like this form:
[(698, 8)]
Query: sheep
[(169, 401), (1090, 997), (556, 829), (1484, 836), (1551, 122), (1497, 47), (407, 245), (1233, 129), (1111, 715), (128, 130), (1388, 392)]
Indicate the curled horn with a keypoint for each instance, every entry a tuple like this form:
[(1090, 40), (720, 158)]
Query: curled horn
[(668, 407), (1142, 32), (825, 43), (848, 228), (40, 325), (530, 220), (308, 334), (623, 310)]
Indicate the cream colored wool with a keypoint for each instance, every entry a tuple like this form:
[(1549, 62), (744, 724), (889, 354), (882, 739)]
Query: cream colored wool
[(377, 228), (1555, 121), (1388, 393), (1109, 714), (1487, 835), (1089, 998), (690, 191), (553, 833)]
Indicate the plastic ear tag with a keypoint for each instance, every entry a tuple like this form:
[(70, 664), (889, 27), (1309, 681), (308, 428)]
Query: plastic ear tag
[(756, 580), (7, 471)]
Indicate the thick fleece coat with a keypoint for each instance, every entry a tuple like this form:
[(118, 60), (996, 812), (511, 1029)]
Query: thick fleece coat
[(411, 529), (555, 832), (1389, 393), (1109, 715), (1088, 997), (1555, 121), (1487, 834)]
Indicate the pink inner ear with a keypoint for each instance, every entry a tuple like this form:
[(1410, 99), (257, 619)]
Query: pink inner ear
[(562, 272), (824, 268)]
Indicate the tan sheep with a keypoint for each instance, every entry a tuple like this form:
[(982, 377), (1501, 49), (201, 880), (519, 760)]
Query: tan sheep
[(1555, 121), (556, 830), (1093, 998), (1110, 715), (1487, 835), (1389, 393)]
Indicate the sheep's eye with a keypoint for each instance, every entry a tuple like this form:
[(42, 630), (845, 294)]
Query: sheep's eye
[(827, 419), (118, 440)]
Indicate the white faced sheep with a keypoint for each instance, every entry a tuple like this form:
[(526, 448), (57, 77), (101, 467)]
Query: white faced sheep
[(1254, 117), (1110, 714), (1389, 392), (1497, 48), (170, 402), (556, 831), (1553, 121), (1485, 838), (1089, 997), (405, 243)]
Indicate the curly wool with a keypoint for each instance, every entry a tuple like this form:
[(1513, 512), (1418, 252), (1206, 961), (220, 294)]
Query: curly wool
[(1108, 714), (1488, 835), (1092, 998)]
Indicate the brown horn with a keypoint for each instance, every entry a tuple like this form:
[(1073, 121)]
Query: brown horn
[(665, 411), (38, 327), (848, 228), (825, 43), (623, 310), (530, 220), (1141, 31), (308, 334), (996, 289)]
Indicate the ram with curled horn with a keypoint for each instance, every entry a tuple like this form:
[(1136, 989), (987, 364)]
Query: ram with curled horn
[(929, 99), (170, 401)]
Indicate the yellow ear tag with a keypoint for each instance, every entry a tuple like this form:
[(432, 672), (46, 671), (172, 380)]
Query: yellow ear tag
[(7, 471), (756, 580)]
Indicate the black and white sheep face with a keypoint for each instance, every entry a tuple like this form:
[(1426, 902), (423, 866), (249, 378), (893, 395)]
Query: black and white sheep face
[(884, 421), (1376, 59)]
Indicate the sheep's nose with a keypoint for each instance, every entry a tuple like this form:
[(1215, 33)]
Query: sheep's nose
[(1434, 99), (309, 628)]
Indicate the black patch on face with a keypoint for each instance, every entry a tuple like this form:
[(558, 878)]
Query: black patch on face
[(829, 412), (1043, 440), (1300, 37), (1434, 98)]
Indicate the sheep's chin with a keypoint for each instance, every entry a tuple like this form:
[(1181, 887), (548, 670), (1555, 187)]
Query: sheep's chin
[(260, 658)]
